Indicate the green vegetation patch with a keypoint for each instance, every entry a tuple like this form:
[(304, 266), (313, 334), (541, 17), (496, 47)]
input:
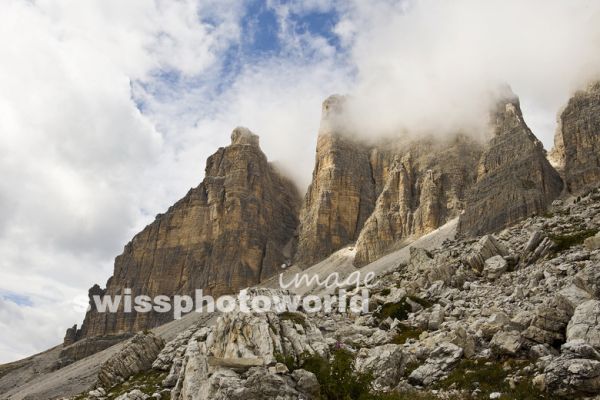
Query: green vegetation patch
[(401, 309), (148, 382), (405, 333), (565, 242), (490, 377)]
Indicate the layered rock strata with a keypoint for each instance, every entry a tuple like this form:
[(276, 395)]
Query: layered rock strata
[(514, 178), (577, 140), (232, 231)]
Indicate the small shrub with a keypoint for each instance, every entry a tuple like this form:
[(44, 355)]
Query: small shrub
[(338, 378), (406, 333), (399, 310), (289, 361), (565, 242), (385, 292), (490, 377)]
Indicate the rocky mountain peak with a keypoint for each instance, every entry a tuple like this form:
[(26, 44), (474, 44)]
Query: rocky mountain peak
[(577, 141), (232, 231), (244, 136), (514, 180)]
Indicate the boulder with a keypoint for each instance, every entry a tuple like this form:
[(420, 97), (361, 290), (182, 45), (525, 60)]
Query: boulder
[(135, 394), (588, 279), (240, 358), (548, 325), (506, 343), (136, 356), (584, 325), (386, 363), (495, 267), (484, 249), (592, 243), (441, 360)]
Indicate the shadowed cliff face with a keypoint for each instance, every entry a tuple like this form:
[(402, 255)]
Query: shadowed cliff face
[(514, 179), (230, 232), (424, 186), (577, 141)]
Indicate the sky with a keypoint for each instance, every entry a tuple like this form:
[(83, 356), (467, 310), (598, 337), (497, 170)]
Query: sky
[(109, 109)]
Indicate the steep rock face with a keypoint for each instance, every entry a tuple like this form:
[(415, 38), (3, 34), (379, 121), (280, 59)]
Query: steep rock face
[(514, 179), (341, 196), (425, 182), (230, 232), (378, 193), (577, 140)]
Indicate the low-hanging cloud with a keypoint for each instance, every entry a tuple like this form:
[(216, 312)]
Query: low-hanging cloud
[(435, 66)]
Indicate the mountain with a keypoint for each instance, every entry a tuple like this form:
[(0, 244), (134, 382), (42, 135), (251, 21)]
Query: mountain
[(378, 193), (486, 277), (342, 193), (577, 140), (514, 178), (232, 231)]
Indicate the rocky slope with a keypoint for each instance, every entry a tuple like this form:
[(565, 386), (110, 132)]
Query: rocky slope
[(230, 232), (577, 140), (510, 316), (514, 178)]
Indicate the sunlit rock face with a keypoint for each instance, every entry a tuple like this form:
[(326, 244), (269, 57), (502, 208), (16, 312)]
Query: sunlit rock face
[(232, 231)]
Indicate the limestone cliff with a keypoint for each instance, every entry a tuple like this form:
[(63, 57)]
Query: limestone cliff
[(425, 183), (577, 140), (514, 178), (379, 192), (230, 232), (342, 194)]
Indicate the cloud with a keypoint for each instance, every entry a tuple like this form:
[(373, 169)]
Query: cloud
[(77, 156), (431, 65)]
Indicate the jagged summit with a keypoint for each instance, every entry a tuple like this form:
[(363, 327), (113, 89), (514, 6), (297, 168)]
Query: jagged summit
[(577, 140), (230, 232), (243, 135), (514, 178)]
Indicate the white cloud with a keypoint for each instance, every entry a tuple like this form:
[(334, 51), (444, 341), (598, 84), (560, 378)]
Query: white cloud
[(430, 64), (76, 155)]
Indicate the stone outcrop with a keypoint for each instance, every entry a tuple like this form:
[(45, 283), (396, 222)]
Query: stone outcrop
[(514, 178), (575, 373), (584, 325), (237, 358), (136, 356), (232, 231), (577, 141)]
